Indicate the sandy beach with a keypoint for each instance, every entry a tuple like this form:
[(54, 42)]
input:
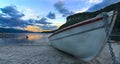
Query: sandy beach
[(41, 52)]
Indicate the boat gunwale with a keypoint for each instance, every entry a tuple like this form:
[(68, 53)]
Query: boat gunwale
[(77, 25), (92, 20), (78, 33)]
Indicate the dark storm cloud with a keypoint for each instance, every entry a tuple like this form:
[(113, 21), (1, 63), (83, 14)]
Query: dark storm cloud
[(31, 21), (51, 15), (12, 11), (11, 22), (103, 4), (43, 21), (11, 17), (61, 9)]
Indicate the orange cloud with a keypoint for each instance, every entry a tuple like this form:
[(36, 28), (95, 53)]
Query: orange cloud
[(33, 28)]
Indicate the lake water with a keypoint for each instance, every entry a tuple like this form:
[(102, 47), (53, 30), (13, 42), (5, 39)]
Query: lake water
[(25, 39), (36, 50)]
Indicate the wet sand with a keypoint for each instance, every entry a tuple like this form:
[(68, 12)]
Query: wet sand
[(44, 53)]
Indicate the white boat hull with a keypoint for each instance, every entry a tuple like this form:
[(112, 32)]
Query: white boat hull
[(84, 41)]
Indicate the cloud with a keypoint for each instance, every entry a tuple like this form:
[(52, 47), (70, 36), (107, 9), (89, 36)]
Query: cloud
[(12, 11), (51, 15), (82, 10), (33, 28), (43, 21), (61, 9), (103, 4), (48, 27), (29, 13), (10, 17), (95, 1), (12, 22)]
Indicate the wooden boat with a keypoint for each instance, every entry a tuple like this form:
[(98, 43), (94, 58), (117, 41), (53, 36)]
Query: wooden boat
[(85, 39)]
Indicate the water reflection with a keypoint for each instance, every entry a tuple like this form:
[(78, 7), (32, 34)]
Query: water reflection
[(12, 41), (32, 37), (24, 38)]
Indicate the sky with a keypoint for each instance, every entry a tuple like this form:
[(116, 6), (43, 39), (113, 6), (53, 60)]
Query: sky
[(41, 15)]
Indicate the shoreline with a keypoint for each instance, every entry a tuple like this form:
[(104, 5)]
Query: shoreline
[(41, 52)]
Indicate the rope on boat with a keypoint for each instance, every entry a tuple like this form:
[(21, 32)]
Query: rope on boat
[(113, 57), (108, 32)]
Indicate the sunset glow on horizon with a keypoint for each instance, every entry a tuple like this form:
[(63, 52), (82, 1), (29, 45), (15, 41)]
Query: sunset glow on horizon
[(43, 15), (33, 29)]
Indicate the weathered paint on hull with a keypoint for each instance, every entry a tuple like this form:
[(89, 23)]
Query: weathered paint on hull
[(84, 41)]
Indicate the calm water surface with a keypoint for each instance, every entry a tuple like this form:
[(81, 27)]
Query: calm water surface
[(25, 38)]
